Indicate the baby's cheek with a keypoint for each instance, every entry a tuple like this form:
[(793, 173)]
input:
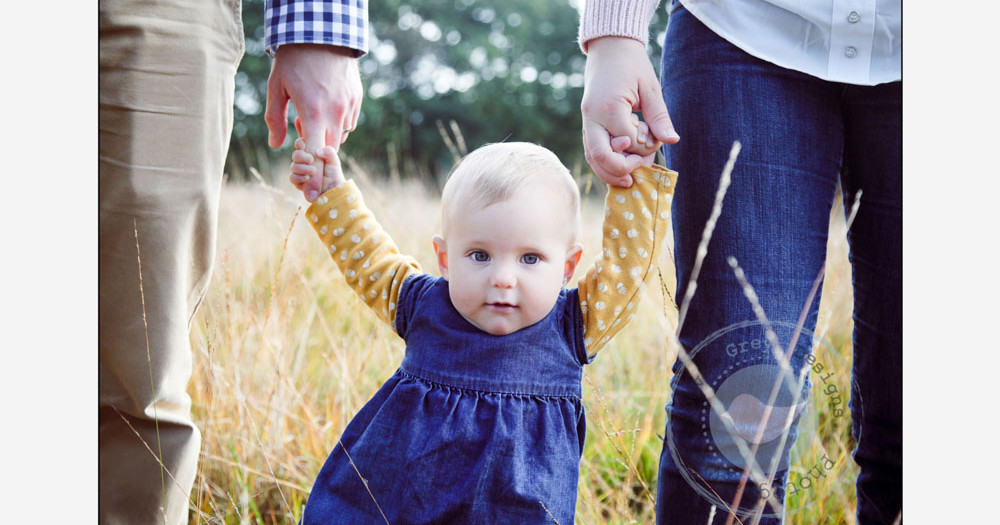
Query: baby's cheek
[(543, 300), (462, 299)]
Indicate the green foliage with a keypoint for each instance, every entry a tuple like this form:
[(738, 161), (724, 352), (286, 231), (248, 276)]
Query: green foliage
[(502, 71), (248, 145), (517, 76)]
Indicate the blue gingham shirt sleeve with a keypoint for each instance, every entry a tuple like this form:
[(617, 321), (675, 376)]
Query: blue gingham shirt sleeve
[(335, 22)]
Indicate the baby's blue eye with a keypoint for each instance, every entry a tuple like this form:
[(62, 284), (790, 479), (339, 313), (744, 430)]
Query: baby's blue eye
[(530, 258), (480, 256)]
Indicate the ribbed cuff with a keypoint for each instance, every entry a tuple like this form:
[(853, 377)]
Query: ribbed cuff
[(628, 18)]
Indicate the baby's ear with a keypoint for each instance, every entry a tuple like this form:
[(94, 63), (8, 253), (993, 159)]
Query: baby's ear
[(441, 250), (572, 259)]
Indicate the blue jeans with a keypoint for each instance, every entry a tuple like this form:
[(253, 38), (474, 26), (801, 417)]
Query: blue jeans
[(799, 135)]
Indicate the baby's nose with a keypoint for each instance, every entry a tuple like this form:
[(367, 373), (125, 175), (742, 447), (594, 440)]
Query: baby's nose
[(503, 277)]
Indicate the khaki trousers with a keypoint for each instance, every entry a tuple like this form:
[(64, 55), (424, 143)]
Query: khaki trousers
[(166, 76)]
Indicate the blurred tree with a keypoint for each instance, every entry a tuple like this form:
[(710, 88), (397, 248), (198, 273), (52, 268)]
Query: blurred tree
[(502, 71)]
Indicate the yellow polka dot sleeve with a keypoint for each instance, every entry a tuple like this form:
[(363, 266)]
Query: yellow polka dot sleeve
[(635, 221), (364, 252)]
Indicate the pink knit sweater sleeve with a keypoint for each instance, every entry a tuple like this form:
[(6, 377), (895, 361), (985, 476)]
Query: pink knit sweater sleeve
[(628, 18)]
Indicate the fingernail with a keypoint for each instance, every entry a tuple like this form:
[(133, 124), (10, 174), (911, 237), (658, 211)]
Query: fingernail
[(664, 131), (311, 195)]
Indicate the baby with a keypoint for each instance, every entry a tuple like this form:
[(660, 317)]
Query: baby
[(483, 421)]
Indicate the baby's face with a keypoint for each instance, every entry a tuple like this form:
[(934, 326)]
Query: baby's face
[(506, 263)]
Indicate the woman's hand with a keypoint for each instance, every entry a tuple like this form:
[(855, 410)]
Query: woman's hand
[(619, 80)]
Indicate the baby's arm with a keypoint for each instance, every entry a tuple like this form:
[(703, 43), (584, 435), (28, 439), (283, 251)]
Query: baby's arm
[(364, 252), (635, 222)]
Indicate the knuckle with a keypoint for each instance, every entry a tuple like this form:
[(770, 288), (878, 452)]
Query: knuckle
[(598, 107), (339, 106)]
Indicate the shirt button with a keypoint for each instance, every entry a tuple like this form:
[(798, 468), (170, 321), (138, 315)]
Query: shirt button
[(854, 17), (851, 52)]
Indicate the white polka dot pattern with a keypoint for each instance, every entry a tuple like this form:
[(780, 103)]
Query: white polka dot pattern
[(366, 255), (629, 254), (373, 266)]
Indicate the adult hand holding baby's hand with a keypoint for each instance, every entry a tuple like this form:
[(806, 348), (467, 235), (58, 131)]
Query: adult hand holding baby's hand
[(618, 81), (641, 143), (303, 168), (324, 83)]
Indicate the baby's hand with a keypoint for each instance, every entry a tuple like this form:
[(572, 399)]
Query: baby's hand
[(642, 144), (303, 169)]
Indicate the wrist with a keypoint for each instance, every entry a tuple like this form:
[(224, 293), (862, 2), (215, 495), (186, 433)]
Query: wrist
[(332, 196), (613, 45), (316, 49), (327, 186)]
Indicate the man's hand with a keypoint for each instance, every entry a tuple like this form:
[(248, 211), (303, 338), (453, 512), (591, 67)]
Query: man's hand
[(324, 83), (618, 81)]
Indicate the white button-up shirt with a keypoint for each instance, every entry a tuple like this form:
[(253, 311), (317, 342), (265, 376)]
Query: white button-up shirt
[(852, 41)]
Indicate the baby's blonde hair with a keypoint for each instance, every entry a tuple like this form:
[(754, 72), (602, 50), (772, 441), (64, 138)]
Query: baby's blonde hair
[(494, 172)]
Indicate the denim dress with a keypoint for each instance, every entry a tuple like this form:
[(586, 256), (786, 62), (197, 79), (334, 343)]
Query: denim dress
[(472, 427)]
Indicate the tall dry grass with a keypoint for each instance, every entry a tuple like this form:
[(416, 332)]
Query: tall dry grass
[(285, 355)]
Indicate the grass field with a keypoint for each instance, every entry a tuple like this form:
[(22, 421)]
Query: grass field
[(285, 355)]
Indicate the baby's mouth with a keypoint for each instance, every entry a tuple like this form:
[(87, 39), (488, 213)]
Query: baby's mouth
[(502, 306)]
